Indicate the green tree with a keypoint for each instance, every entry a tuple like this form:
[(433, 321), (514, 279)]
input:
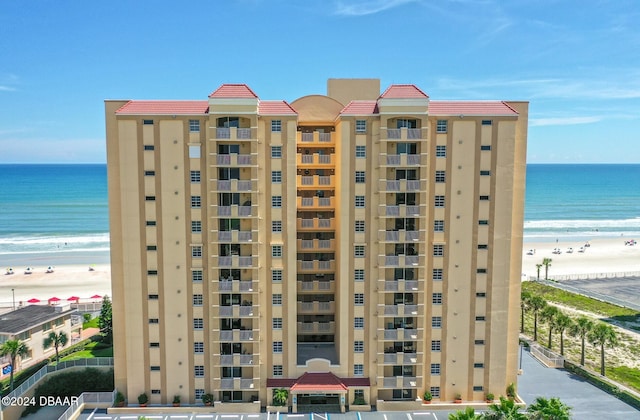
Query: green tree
[(538, 267), (547, 263), (280, 397), (536, 304), (105, 323), (524, 298), (549, 409), (13, 349), (57, 341), (603, 335), (467, 414), (562, 323), (549, 315), (581, 328), (506, 410)]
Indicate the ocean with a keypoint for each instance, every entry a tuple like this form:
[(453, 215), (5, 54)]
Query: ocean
[(58, 210)]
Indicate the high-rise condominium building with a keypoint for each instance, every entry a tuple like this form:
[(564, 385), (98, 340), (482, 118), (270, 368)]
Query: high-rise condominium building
[(354, 248)]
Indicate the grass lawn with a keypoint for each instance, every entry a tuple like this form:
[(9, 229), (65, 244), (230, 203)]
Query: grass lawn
[(91, 324), (94, 349)]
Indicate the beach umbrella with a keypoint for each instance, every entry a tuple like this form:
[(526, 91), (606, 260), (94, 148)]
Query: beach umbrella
[(96, 297), (72, 298), (33, 300), (54, 299)]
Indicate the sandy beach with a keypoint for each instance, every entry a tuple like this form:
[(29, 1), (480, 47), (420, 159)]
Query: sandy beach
[(603, 256)]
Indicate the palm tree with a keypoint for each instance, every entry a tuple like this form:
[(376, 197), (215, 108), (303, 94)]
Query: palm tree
[(603, 335), (538, 267), (468, 414), (57, 341), (581, 328), (506, 410), (547, 263), (13, 349), (548, 315), (280, 397), (549, 409), (524, 298), (536, 304), (562, 323)]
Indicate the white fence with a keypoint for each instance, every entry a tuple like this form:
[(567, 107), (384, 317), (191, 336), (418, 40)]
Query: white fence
[(546, 356), (87, 398), (590, 276)]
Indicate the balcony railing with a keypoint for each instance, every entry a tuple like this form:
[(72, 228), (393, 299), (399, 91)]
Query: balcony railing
[(236, 185), (319, 245), (402, 185), (316, 327), (237, 359), (315, 286), (406, 134), (402, 160), (235, 335), (315, 159), (400, 260), (233, 133), (237, 383), (399, 358), (400, 381), (400, 310), (398, 285), (234, 160), (315, 202), (236, 285), (401, 235), (237, 311), (234, 261), (316, 307), (316, 181), (239, 236), (316, 137), (408, 334), (316, 224)]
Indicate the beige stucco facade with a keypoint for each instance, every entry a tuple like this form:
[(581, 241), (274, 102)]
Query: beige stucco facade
[(254, 241)]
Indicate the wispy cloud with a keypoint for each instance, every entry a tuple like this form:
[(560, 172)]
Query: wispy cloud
[(368, 7), (538, 122), (4, 88)]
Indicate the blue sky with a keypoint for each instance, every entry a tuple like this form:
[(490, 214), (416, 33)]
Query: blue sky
[(576, 61)]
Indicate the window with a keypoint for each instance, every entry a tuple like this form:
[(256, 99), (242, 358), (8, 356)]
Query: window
[(485, 147), (441, 151), (276, 275), (487, 122), (358, 299), (195, 202), (359, 225), (358, 323), (436, 345), (483, 222), (438, 250), (155, 392), (358, 274), (154, 368), (196, 251), (195, 177), (147, 122), (438, 225), (197, 300), (436, 274), (361, 151), (198, 371), (277, 346), (441, 126), (196, 226), (361, 126), (358, 393), (435, 391), (483, 246), (276, 251), (149, 198), (199, 393), (153, 297), (484, 198), (436, 298), (359, 201), (276, 176), (198, 323), (276, 152), (194, 152), (149, 147), (154, 344), (435, 368), (194, 126), (480, 318), (358, 369), (479, 342), (152, 321), (359, 251), (152, 247), (485, 173), (276, 201), (439, 201), (358, 346), (360, 177), (276, 226), (149, 173), (440, 176), (196, 275), (276, 323), (276, 126), (198, 347), (277, 370), (481, 294), (151, 222), (152, 272), (276, 299), (436, 322), (477, 388)]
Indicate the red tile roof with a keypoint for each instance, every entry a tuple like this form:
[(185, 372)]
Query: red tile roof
[(229, 90), (403, 92), (164, 108), (360, 108), (322, 382), (275, 108), (471, 108)]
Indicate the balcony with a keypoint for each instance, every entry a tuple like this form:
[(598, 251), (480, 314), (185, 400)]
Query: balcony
[(398, 285), (402, 160), (235, 160), (316, 137), (236, 286), (313, 203), (316, 286), (398, 358), (399, 310), (401, 235), (238, 359), (234, 261), (315, 245), (237, 211), (316, 307), (235, 185), (316, 327), (402, 185), (237, 311), (315, 224), (400, 381), (388, 210), (408, 334), (233, 133), (236, 383), (400, 260), (235, 335), (315, 159), (315, 181), (405, 134), (236, 236), (316, 266)]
